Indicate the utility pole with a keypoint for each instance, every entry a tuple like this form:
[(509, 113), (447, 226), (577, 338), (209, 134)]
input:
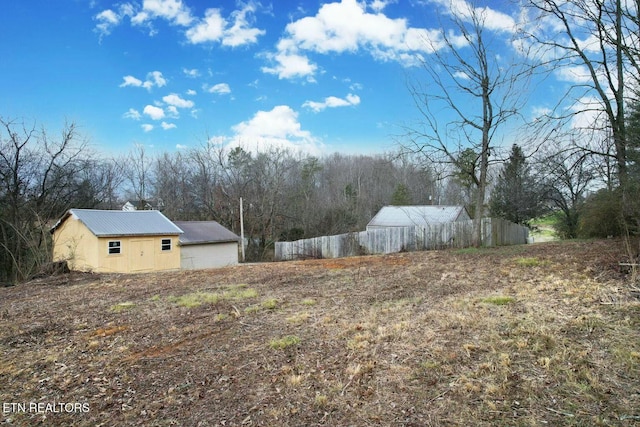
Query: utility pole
[(241, 229)]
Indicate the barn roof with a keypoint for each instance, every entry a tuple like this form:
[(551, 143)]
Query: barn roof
[(112, 223), (199, 232), (406, 216)]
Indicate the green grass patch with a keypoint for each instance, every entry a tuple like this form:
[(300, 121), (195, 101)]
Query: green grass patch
[(270, 304), (544, 232), (299, 318), (196, 299), (498, 300), (430, 364), (528, 262), (117, 308), (284, 342), (308, 302), (230, 293), (236, 294), (252, 309), (321, 400), (548, 220)]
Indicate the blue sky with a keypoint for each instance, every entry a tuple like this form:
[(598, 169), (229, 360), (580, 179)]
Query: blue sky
[(310, 75)]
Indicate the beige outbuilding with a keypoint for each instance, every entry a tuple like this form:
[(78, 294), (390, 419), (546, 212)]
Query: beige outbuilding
[(110, 241)]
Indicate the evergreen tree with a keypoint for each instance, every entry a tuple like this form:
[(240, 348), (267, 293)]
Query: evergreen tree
[(401, 196), (632, 206), (633, 140), (516, 196)]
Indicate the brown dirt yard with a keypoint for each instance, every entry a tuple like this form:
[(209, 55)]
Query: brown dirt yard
[(545, 334)]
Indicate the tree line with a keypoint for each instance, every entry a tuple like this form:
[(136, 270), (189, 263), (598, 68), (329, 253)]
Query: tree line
[(286, 194), (469, 100)]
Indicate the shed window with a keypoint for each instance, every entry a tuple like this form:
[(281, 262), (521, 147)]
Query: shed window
[(114, 247), (166, 244)]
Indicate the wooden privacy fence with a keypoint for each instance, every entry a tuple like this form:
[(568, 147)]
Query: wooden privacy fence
[(495, 232)]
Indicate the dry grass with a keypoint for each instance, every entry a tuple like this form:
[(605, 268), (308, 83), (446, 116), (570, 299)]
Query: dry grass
[(535, 335)]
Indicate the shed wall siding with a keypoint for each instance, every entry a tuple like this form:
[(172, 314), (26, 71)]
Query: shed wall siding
[(210, 255), (74, 243), (138, 255)]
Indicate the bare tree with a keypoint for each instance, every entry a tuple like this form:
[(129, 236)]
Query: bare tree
[(602, 37), (37, 184), (173, 186), (207, 162), (137, 167), (566, 177), (108, 177), (477, 90), (271, 175)]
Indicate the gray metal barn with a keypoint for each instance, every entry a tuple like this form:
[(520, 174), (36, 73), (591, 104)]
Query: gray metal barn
[(417, 216), (206, 244)]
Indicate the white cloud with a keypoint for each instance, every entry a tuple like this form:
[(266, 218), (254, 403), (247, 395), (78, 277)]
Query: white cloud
[(172, 111), (191, 92), (429, 41), (278, 127), (193, 73), (130, 81), (175, 100), (236, 30), (215, 28), (108, 16), (155, 113), (132, 114), (167, 126), (174, 11), (220, 88), (241, 33), (540, 112), (154, 78), (347, 26), (353, 26), (107, 19), (333, 102), (181, 147), (461, 75), (498, 21), (290, 65), (592, 43), (587, 113), (573, 74), (353, 99), (147, 127), (208, 29), (142, 18), (491, 19), (379, 5)]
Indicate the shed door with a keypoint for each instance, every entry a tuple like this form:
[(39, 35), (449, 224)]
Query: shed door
[(142, 255)]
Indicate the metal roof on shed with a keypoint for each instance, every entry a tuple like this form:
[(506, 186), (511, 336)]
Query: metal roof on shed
[(405, 216), (199, 232), (111, 223)]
